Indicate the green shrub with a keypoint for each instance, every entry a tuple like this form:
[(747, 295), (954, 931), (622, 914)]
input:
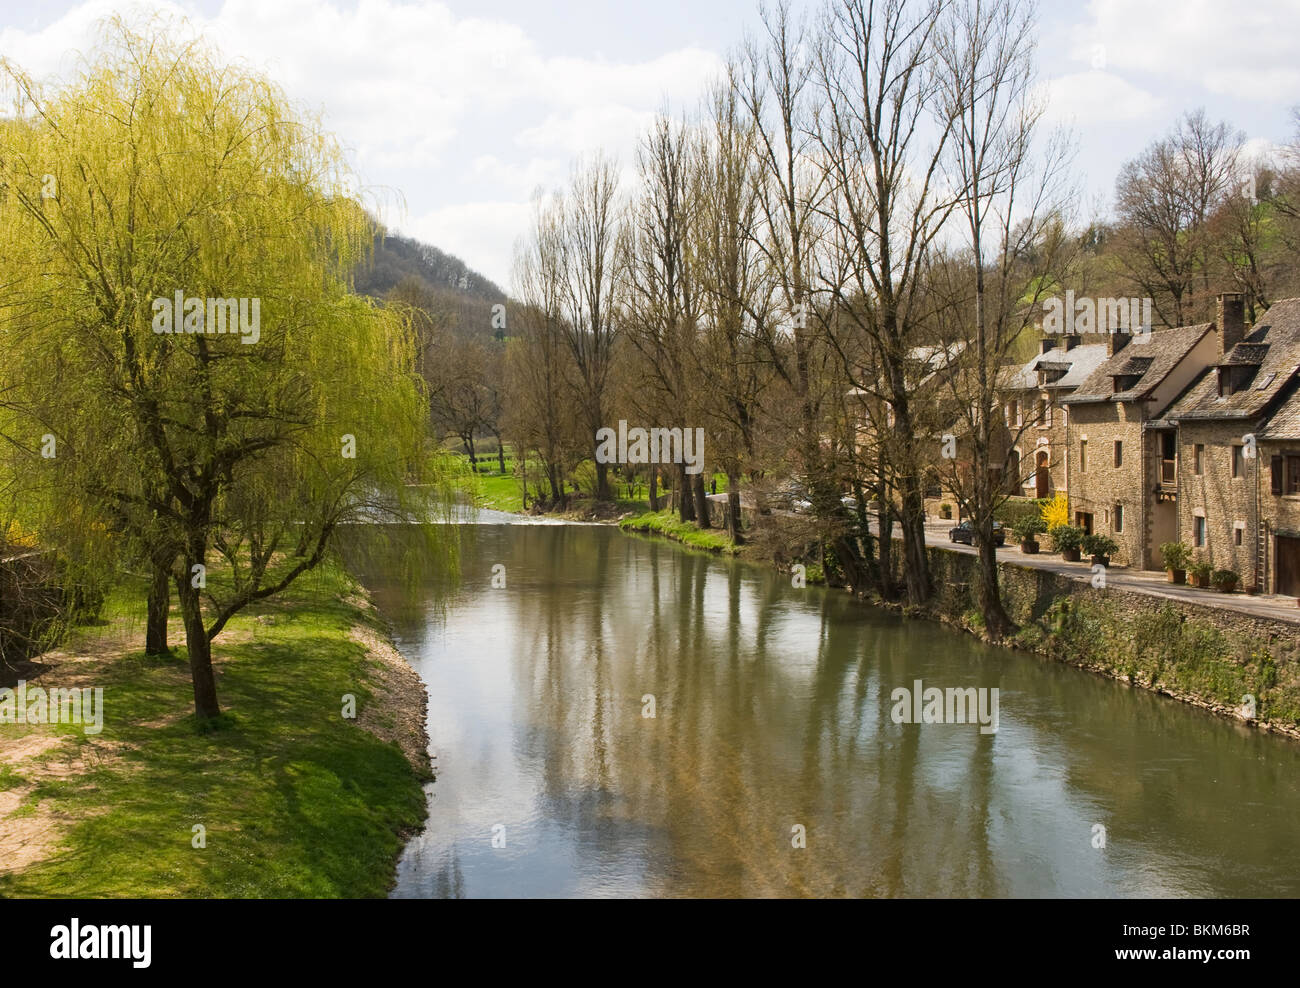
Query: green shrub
[(1028, 527), (1066, 537), (1176, 555), (1099, 545)]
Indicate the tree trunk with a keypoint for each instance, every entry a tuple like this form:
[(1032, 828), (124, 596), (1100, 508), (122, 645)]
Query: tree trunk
[(701, 502), (686, 502), (733, 508), (602, 481), (196, 642), (916, 564), (501, 455), (160, 602), (996, 621), (654, 488)]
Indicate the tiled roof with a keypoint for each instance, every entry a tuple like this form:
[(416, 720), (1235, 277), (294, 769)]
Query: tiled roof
[(1158, 353), (1273, 347), (1285, 423), (1247, 354), (1077, 362)]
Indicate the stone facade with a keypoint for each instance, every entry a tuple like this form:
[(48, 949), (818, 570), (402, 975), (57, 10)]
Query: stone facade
[(1218, 506)]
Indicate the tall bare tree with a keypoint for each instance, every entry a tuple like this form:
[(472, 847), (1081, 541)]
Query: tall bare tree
[(880, 149)]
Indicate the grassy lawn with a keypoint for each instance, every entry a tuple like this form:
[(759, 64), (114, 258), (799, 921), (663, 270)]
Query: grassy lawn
[(295, 799), (500, 492), (666, 523)]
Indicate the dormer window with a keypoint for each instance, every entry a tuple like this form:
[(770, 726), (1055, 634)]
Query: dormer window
[(1234, 378), (1126, 382)]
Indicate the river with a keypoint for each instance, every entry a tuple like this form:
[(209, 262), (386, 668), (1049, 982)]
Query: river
[(772, 765)]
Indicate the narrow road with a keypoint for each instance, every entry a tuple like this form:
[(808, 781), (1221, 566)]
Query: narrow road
[(1272, 606)]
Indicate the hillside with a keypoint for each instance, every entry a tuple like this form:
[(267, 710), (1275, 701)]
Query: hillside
[(397, 258)]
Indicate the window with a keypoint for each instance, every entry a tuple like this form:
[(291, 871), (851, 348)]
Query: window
[(1044, 412), (1119, 453), (1236, 461), (1083, 456), (1119, 518), (1293, 474), (1013, 412), (1198, 459), (1198, 531), (1275, 474), (1236, 535)]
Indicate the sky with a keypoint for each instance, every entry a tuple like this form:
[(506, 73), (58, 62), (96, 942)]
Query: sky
[(455, 112)]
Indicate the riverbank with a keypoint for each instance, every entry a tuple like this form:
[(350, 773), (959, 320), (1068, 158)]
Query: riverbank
[(1233, 664), (284, 796)]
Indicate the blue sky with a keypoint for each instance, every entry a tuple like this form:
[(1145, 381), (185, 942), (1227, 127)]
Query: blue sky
[(456, 111)]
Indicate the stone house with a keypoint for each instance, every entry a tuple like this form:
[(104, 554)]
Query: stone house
[(1279, 465), (1119, 452), (1232, 454), (1035, 413)]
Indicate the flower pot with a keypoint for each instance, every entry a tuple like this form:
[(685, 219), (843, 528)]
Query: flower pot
[(1101, 561), (1029, 546), (1070, 555), (1196, 580), (1176, 575), (1226, 587)]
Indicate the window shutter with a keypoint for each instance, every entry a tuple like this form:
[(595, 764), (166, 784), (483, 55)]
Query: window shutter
[(1275, 469)]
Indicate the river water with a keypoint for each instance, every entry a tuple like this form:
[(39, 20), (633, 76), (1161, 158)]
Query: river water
[(772, 765)]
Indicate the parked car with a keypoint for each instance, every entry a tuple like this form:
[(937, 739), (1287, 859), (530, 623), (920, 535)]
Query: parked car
[(792, 496), (965, 532)]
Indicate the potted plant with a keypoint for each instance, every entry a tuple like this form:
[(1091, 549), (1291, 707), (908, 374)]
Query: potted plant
[(1224, 580), (1067, 540), (1100, 548), (1176, 556), (1199, 574), (1025, 531), (945, 511)]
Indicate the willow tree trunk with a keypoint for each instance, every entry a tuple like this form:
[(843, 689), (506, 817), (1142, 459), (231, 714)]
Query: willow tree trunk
[(160, 602), (654, 488), (196, 640)]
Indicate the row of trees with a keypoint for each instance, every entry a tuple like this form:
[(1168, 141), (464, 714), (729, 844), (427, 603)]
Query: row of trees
[(161, 173), (853, 189), (833, 263)]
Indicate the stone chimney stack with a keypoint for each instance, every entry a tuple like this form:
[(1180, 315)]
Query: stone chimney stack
[(1119, 339), (1230, 315)]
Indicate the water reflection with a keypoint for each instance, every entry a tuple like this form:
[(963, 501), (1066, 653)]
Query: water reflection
[(773, 711)]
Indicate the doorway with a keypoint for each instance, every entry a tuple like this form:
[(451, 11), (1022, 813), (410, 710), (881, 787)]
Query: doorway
[(1288, 566), (1042, 478)]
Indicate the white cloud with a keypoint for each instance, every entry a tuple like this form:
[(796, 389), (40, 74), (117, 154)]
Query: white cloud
[(484, 233), (1095, 95), (463, 115), (1246, 51)]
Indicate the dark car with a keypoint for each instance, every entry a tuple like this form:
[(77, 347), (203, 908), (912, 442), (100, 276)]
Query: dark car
[(965, 532)]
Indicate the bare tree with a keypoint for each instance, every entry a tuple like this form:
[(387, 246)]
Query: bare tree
[(662, 291), (1164, 199), (884, 207), (589, 248)]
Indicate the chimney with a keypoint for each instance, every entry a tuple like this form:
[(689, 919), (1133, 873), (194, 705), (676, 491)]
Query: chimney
[(1231, 316), (1119, 339), (1048, 343), (1071, 341)]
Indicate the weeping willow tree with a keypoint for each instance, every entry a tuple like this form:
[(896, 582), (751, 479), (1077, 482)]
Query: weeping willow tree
[(177, 323)]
